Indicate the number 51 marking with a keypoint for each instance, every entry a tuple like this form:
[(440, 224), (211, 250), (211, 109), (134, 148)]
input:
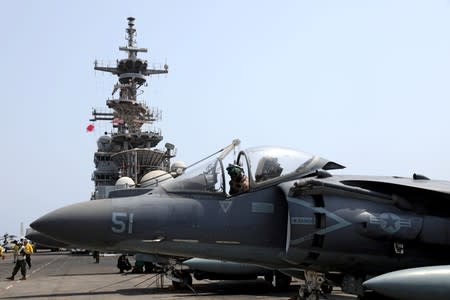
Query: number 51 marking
[(121, 222)]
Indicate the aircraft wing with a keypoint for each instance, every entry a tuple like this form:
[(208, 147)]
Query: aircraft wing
[(420, 195), (406, 185)]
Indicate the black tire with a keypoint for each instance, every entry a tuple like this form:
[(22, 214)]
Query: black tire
[(326, 288), (176, 285), (186, 280)]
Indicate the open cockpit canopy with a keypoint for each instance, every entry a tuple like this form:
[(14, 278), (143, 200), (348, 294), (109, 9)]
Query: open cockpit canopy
[(262, 165)]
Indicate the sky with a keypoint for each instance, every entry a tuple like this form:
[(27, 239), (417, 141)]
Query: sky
[(362, 83)]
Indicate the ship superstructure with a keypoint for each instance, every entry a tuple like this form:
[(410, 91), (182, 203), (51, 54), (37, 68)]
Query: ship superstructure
[(128, 151)]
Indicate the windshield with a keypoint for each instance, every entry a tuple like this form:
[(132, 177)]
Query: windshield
[(267, 163), (255, 165), (206, 177)]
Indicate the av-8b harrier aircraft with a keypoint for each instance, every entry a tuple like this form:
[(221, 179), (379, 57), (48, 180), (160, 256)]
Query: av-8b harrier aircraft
[(289, 213)]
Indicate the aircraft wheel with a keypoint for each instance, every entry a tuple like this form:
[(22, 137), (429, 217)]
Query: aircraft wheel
[(176, 285), (326, 288), (305, 295), (186, 279)]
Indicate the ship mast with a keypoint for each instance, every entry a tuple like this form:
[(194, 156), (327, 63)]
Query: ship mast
[(132, 73), (128, 152)]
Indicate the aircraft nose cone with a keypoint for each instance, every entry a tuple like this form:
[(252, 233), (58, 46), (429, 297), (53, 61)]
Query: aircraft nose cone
[(77, 224)]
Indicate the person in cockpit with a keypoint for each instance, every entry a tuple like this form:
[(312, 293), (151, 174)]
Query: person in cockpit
[(239, 182), (268, 168)]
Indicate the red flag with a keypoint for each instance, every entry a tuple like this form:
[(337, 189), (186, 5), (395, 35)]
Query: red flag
[(90, 128)]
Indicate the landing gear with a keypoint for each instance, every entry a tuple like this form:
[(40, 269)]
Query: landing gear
[(326, 288), (311, 290), (181, 280)]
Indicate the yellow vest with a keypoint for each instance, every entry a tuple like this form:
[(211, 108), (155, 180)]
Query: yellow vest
[(28, 249)]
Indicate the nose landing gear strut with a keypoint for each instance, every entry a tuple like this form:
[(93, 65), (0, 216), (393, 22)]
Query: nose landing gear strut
[(311, 290)]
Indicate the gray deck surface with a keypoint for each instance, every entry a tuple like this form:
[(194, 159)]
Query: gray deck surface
[(65, 276)]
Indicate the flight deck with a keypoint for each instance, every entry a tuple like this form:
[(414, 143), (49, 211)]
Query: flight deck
[(61, 275)]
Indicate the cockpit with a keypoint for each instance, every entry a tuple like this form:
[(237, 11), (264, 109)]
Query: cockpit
[(261, 165)]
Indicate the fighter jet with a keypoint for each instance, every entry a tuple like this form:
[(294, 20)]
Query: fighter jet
[(277, 208), (8, 242)]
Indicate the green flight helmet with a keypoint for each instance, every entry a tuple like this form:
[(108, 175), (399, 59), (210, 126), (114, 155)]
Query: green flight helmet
[(234, 170)]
